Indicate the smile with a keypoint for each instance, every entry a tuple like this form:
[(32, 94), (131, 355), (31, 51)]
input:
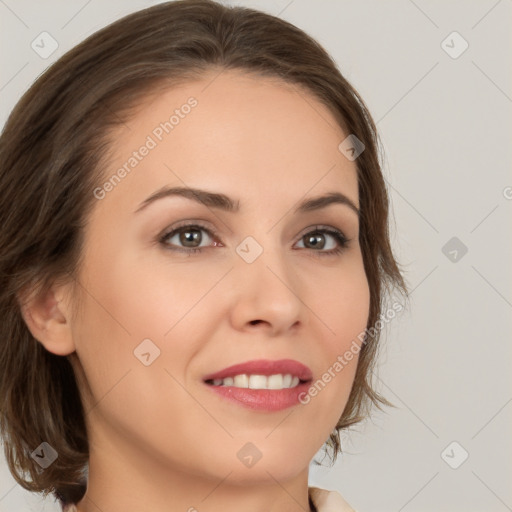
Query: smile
[(262, 384)]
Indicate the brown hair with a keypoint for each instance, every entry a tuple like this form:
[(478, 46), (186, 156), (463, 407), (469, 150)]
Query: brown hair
[(52, 152)]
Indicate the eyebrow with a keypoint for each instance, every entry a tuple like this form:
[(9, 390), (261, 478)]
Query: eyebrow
[(225, 203)]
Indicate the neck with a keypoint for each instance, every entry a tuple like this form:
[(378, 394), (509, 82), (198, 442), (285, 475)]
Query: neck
[(125, 479)]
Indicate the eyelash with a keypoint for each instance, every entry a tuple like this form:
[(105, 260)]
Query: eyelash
[(342, 240)]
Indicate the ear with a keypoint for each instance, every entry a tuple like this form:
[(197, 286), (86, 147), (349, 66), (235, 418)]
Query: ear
[(48, 317)]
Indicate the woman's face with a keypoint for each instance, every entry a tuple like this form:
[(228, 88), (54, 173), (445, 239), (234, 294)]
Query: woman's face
[(255, 278)]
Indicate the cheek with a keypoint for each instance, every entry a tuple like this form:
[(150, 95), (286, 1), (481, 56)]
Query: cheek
[(344, 304), (128, 300), (343, 309)]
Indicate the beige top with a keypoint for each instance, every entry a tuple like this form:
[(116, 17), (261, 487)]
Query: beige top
[(329, 501), (324, 500)]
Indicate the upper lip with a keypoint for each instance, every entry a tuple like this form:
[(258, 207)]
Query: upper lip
[(264, 367)]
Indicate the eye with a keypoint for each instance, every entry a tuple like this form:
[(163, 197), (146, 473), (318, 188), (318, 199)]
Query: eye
[(317, 238), (187, 238)]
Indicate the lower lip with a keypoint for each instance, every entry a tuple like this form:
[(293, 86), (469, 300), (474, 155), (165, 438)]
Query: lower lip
[(263, 399)]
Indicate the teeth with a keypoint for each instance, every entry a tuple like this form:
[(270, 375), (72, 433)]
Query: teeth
[(274, 382), (258, 382), (278, 381), (241, 381)]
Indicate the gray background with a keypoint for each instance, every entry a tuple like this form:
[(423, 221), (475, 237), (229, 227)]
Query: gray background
[(446, 126)]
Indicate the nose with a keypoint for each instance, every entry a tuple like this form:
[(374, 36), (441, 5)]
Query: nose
[(267, 295)]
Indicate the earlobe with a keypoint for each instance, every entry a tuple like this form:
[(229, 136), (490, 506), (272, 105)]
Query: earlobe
[(47, 316)]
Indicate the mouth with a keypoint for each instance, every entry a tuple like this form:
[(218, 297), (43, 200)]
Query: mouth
[(262, 384)]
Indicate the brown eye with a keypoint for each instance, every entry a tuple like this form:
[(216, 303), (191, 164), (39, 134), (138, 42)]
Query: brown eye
[(187, 238), (317, 240)]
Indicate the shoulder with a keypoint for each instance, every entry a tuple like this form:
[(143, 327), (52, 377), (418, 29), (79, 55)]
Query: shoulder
[(69, 507), (329, 501)]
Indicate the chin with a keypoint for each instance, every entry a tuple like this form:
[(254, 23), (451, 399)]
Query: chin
[(264, 462)]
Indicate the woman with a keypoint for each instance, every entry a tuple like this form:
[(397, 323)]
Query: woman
[(194, 257)]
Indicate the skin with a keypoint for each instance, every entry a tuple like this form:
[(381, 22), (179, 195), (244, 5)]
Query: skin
[(159, 438)]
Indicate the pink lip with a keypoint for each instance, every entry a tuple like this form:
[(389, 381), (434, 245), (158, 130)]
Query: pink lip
[(264, 367), (263, 399)]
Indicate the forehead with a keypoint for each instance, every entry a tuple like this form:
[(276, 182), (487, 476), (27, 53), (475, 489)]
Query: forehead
[(249, 137)]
